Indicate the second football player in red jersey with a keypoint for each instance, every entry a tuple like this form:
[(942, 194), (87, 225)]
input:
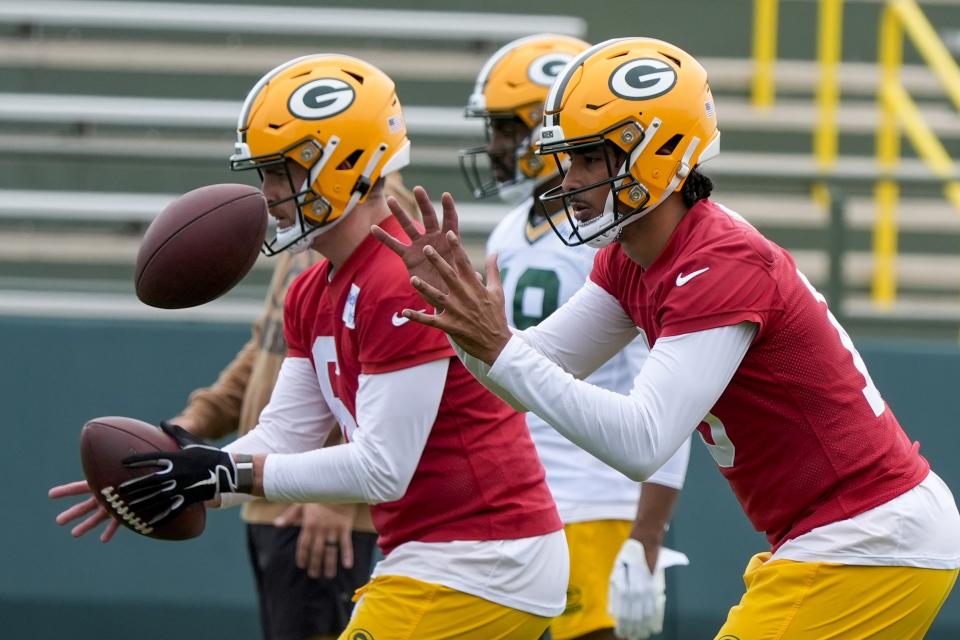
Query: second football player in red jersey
[(865, 537)]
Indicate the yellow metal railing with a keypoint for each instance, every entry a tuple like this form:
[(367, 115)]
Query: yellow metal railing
[(829, 54), (897, 110), (763, 87)]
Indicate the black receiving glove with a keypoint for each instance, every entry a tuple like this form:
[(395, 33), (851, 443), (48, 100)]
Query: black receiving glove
[(183, 437), (196, 473)]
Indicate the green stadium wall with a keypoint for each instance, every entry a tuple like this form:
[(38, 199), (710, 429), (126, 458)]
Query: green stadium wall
[(58, 373)]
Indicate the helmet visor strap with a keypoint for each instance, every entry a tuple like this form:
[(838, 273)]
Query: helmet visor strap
[(273, 246)]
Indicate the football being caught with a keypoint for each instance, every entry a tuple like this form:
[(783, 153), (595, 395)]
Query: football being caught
[(200, 246), (104, 442)]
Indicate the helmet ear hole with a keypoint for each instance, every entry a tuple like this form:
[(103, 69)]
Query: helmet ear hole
[(350, 161), (668, 147)]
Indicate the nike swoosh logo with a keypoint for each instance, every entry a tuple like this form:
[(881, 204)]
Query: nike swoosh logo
[(684, 279), (399, 321)]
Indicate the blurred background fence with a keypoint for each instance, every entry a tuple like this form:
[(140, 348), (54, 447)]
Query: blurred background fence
[(110, 109)]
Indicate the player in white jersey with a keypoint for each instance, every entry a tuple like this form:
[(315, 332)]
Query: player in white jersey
[(598, 505)]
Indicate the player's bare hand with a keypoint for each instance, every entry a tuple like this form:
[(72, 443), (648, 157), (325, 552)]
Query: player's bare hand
[(473, 312), (325, 536), (434, 234), (89, 509)]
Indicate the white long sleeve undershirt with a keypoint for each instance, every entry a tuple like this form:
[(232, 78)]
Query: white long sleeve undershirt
[(594, 315), (295, 419), (636, 434), (395, 412)]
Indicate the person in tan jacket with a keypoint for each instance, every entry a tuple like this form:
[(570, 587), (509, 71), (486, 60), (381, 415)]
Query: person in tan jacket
[(307, 558)]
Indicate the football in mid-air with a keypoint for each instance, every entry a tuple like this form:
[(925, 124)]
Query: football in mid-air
[(104, 442), (200, 246)]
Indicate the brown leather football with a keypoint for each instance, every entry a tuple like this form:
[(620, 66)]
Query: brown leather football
[(200, 246), (104, 442)]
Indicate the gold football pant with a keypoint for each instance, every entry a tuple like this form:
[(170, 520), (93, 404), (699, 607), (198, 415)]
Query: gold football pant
[(788, 600), (401, 608), (594, 546)]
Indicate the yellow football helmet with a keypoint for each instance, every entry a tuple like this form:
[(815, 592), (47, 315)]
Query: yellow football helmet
[(336, 116), (511, 89), (644, 97)]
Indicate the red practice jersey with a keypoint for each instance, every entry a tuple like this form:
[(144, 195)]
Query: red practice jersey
[(801, 433), (479, 477)]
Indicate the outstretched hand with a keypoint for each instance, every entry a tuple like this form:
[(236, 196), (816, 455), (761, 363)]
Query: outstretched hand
[(89, 509), (471, 312), (434, 234)]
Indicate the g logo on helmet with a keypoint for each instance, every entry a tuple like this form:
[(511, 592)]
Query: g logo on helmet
[(643, 79), (545, 69), (321, 98)]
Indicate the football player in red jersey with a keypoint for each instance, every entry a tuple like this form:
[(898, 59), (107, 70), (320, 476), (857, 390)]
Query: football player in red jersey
[(865, 538), (473, 543), (614, 530)]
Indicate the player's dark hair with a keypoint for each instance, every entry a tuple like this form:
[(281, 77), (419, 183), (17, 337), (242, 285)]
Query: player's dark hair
[(696, 188)]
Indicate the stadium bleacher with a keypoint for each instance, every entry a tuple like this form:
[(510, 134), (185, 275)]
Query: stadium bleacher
[(131, 126)]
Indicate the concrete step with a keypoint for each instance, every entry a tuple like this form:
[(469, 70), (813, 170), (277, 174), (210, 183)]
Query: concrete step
[(787, 210), (87, 305), (909, 308), (225, 58), (727, 75), (924, 215), (317, 23), (801, 77), (426, 152), (912, 309), (920, 271), (802, 167), (792, 115), (789, 115), (90, 301)]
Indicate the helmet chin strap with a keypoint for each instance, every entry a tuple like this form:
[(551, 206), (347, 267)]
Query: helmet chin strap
[(291, 235), (592, 226), (606, 218)]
